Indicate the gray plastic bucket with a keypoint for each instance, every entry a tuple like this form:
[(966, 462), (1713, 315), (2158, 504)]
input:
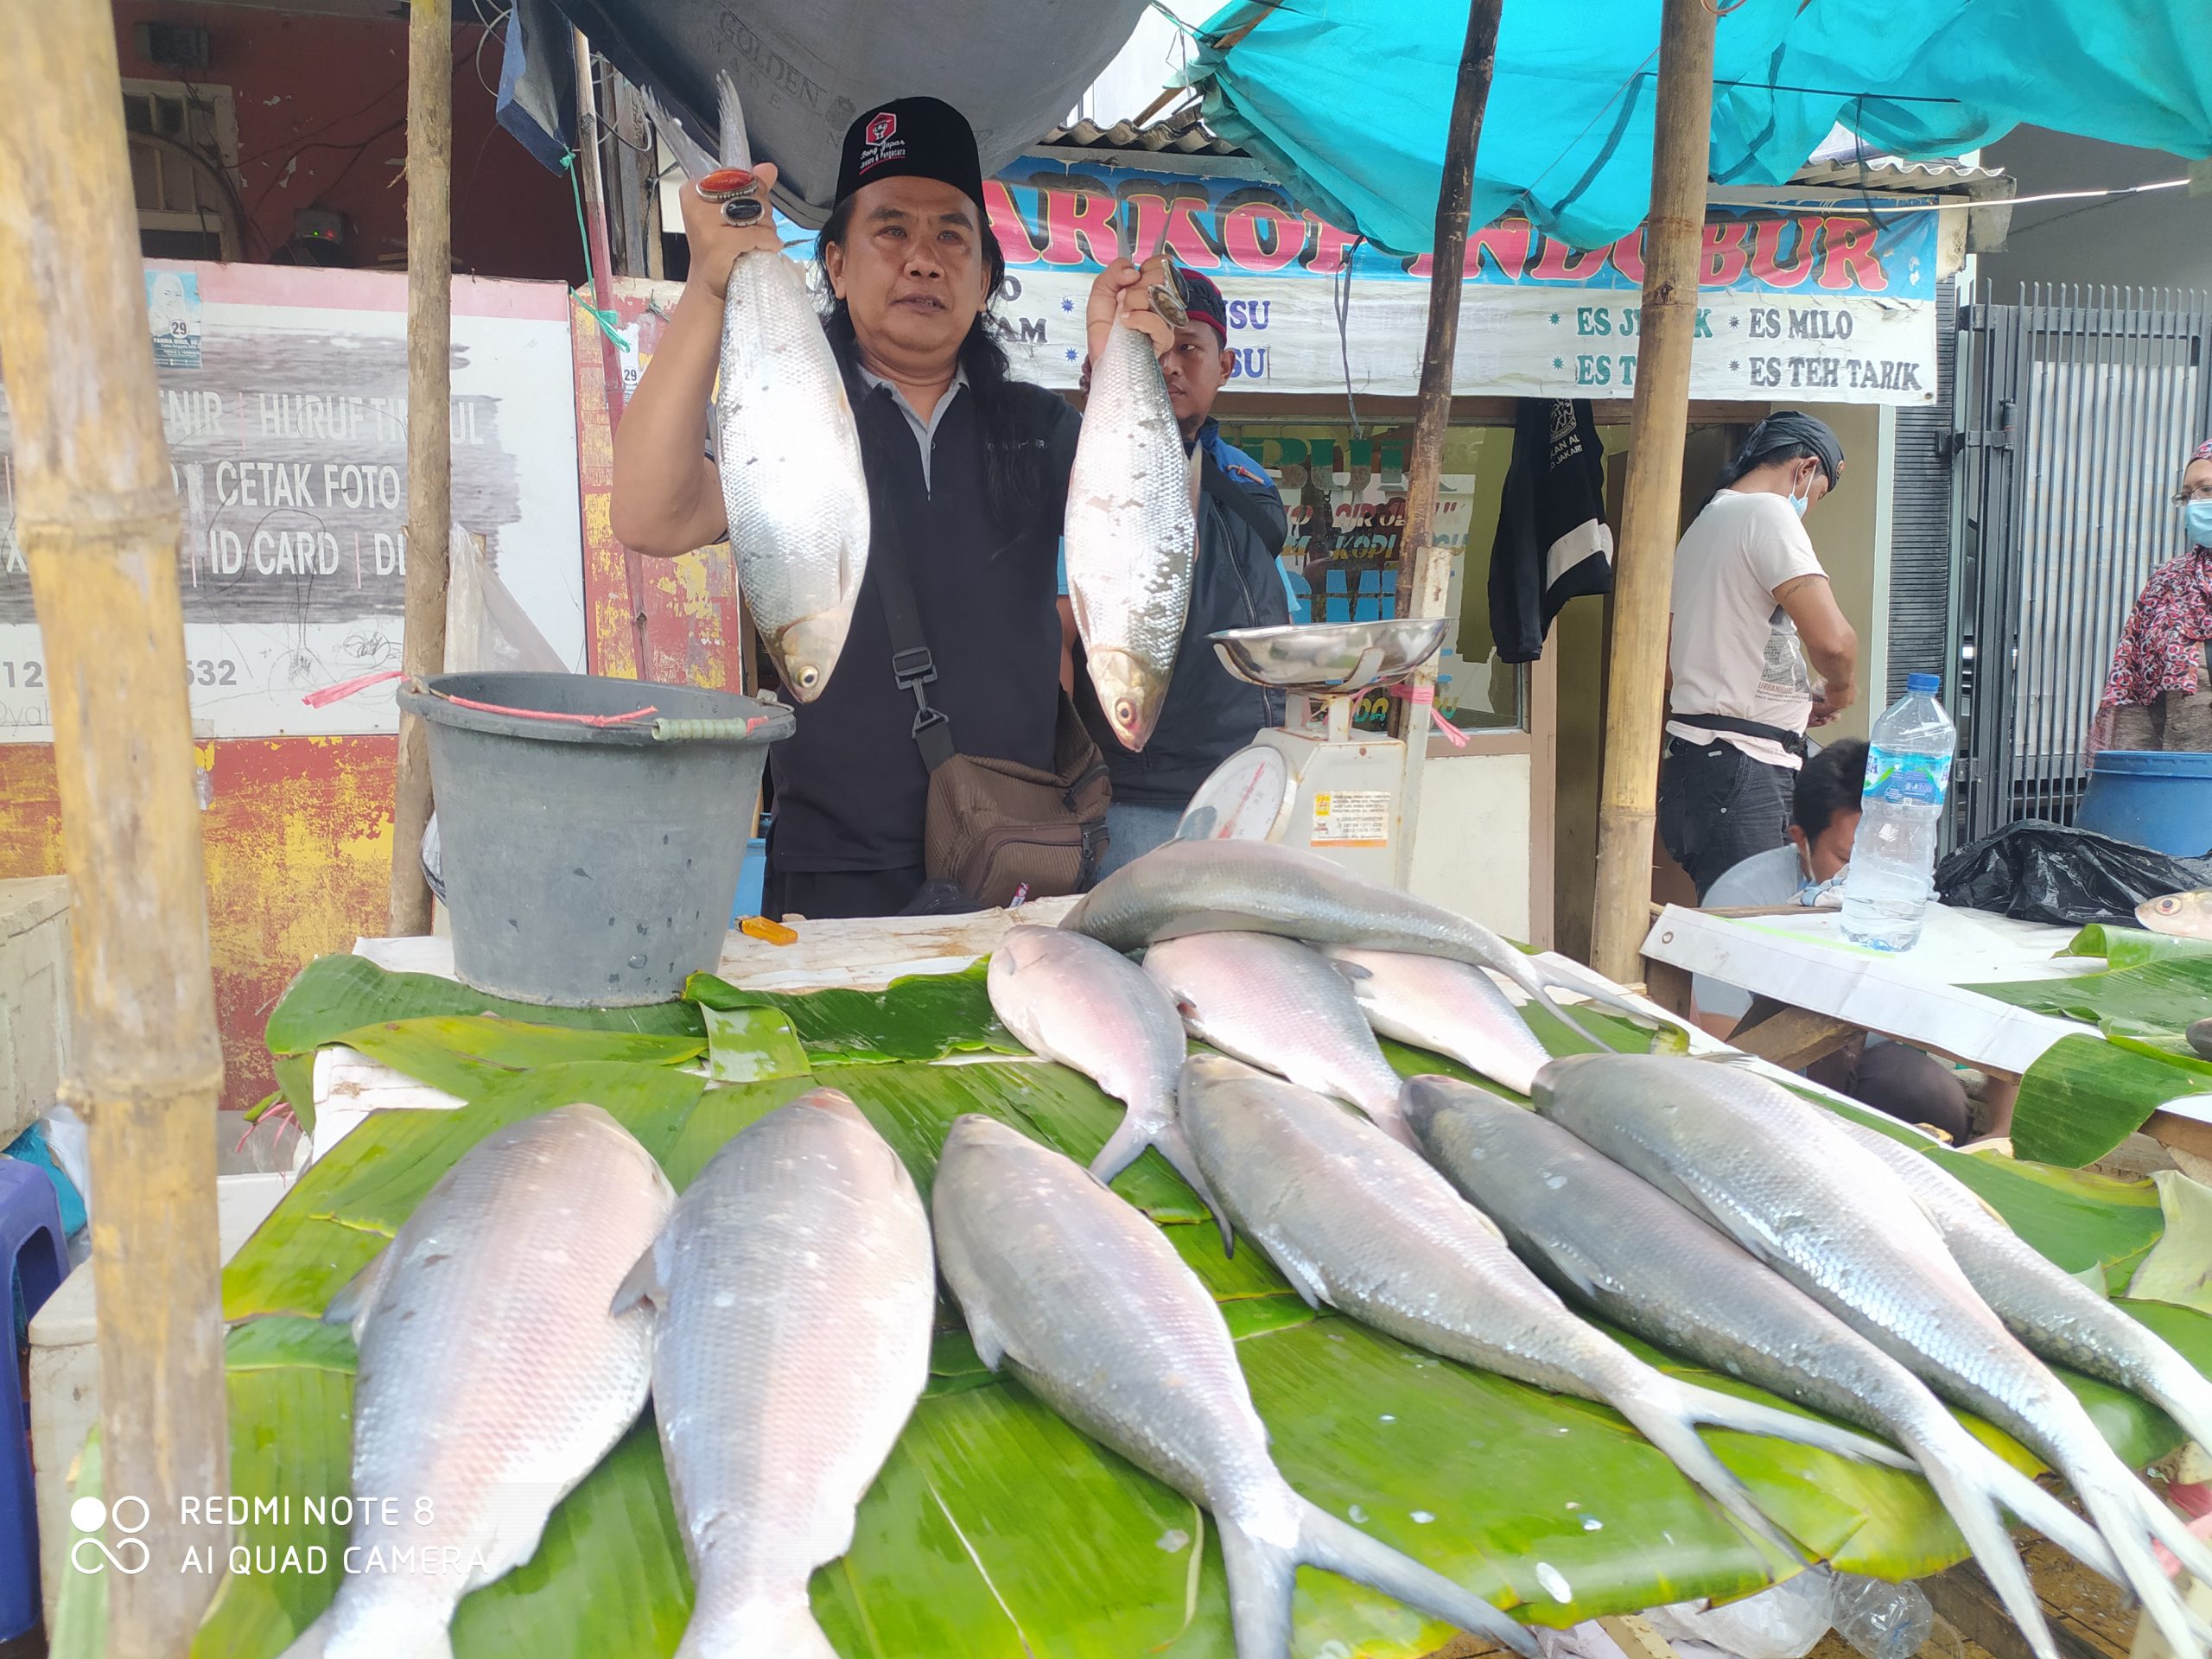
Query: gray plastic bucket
[(590, 865)]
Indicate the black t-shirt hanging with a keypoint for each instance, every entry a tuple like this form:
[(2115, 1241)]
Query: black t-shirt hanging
[(1553, 543), (851, 789)]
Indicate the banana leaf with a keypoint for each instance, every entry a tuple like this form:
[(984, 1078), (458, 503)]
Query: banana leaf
[(2130, 947), (342, 993), (2084, 1095), (922, 1017), (2168, 991), (995, 1528)]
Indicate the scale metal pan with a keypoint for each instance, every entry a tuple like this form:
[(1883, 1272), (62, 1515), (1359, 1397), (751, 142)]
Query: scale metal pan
[(1330, 657)]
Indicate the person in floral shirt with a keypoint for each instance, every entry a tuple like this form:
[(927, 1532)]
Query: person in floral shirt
[(2159, 695)]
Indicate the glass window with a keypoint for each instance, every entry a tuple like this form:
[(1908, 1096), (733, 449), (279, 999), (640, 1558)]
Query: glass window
[(1346, 498)]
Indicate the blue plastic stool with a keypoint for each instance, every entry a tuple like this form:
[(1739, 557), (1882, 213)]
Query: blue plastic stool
[(32, 1252)]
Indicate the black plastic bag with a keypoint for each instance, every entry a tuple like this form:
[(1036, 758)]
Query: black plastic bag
[(2037, 872)]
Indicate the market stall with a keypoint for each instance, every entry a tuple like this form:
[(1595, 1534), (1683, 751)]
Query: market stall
[(996, 1526)]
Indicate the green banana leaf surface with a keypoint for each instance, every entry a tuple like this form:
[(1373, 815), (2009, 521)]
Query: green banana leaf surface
[(2086, 1095), (995, 1528)]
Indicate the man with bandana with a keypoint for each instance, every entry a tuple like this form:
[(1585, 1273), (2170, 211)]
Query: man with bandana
[(1755, 622), (971, 464)]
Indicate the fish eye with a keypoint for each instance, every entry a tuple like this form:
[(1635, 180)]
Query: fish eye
[(1125, 711), (809, 676)]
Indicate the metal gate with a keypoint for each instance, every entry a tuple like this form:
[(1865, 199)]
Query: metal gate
[(2076, 408)]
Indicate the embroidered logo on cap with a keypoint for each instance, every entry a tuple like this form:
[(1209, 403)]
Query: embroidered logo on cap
[(882, 142)]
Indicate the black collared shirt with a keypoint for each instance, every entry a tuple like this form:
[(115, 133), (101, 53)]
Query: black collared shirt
[(851, 789)]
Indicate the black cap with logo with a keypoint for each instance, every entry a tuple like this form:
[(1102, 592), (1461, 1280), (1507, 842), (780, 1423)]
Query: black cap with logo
[(912, 137)]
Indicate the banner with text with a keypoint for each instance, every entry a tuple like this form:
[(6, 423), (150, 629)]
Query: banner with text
[(284, 400), (1822, 301)]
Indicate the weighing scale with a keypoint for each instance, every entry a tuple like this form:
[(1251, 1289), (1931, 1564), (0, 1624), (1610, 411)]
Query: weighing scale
[(1313, 782)]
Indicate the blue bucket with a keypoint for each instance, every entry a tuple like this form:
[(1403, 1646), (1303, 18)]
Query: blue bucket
[(2158, 800)]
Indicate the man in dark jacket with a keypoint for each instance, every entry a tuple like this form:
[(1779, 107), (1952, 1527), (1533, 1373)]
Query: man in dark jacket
[(1236, 583)]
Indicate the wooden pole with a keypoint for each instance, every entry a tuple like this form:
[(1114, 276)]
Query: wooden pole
[(593, 183), (96, 512), (430, 418), (1651, 505), (1425, 571)]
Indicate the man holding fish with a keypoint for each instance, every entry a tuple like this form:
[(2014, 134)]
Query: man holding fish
[(967, 468), (1206, 714)]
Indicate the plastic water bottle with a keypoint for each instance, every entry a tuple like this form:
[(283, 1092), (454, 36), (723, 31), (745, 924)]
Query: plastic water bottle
[(1887, 891)]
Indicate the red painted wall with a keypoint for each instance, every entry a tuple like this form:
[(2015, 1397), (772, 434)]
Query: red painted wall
[(321, 103), (298, 846)]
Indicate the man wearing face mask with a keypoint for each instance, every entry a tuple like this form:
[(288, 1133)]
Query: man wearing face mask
[(1892, 1078), (1208, 713), (1754, 623)]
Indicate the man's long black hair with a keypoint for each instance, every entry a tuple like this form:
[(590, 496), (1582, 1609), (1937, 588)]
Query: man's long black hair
[(1015, 449)]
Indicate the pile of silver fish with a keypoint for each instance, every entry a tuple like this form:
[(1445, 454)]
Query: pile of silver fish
[(780, 1311), (1131, 527), (1705, 1208), (785, 444)]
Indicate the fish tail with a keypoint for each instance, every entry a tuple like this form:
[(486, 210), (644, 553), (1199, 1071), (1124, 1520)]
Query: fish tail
[(1662, 1414), (1261, 1576), (395, 1629), (2129, 1516), (1123, 1147), (1750, 1417), (1971, 1501), (1341, 1548), (1175, 1146), (2179, 1389), (750, 1630), (2036, 1508)]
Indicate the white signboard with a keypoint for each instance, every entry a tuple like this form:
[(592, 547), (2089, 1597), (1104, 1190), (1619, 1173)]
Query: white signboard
[(284, 400)]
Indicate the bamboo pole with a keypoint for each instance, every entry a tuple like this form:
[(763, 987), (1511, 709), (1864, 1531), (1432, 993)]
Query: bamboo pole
[(96, 513), (1426, 569), (1651, 505), (429, 418)]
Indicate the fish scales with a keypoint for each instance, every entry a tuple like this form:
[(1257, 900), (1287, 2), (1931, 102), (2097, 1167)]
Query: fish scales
[(1089, 1306), (797, 1287), (1274, 1003), (2044, 1306), (1073, 1000), (1446, 1007), (790, 461), (1609, 1239), (1781, 1177), (492, 1376), (1358, 1222), (1255, 886), (1132, 535)]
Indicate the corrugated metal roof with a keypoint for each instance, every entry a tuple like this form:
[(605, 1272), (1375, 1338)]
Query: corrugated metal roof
[(1174, 135), (1187, 134), (1888, 173)]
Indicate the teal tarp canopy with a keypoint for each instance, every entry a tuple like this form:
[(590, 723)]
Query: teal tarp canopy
[(1349, 99)]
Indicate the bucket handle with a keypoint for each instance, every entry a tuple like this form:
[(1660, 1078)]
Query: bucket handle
[(678, 731), (531, 714)]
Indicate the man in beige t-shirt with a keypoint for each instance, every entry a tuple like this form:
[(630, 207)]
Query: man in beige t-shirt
[(1758, 651)]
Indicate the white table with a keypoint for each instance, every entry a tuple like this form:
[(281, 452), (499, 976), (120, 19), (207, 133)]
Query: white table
[(1800, 958)]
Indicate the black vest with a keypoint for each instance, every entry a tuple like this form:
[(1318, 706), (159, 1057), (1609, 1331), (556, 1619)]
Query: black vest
[(851, 789), (1208, 713)]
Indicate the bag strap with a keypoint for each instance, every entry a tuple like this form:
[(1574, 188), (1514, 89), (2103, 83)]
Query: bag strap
[(1234, 498), (911, 665)]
